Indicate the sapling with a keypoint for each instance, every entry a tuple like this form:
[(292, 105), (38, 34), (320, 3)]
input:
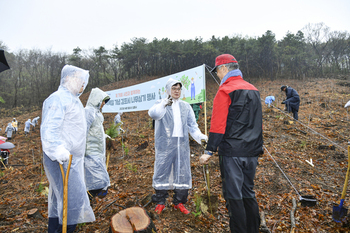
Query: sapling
[(197, 202)]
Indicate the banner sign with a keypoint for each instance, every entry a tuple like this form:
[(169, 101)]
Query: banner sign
[(142, 96)]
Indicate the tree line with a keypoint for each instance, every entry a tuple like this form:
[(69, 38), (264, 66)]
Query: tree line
[(314, 51)]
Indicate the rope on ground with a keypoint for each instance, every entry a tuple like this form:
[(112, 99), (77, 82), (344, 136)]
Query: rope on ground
[(312, 130), (283, 172)]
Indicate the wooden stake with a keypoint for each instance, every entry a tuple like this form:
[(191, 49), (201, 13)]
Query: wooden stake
[(3, 164), (107, 160)]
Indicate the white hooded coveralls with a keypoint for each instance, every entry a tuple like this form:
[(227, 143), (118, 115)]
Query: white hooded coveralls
[(172, 168), (9, 130), (96, 175), (27, 125), (64, 126), (35, 121)]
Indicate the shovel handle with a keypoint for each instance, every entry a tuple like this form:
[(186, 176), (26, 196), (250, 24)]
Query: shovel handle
[(65, 194), (107, 160), (347, 175)]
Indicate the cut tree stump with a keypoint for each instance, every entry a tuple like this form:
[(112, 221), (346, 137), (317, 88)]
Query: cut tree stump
[(34, 213), (133, 219)]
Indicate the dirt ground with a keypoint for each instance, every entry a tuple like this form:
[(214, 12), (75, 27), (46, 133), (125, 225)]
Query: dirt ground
[(321, 135)]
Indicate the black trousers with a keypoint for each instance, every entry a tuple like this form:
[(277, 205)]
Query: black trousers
[(237, 175), (180, 196), (56, 227), (97, 192), (295, 114)]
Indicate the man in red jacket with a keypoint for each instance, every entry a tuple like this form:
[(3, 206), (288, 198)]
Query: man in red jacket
[(236, 129)]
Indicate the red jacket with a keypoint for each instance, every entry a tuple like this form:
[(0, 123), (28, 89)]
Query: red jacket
[(236, 123)]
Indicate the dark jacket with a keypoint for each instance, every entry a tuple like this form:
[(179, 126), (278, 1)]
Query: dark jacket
[(236, 123), (293, 100)]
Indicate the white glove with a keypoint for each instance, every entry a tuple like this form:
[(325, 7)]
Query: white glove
[(204, 140), (204, 159), (203, 137), (62, 154), (107, 136)]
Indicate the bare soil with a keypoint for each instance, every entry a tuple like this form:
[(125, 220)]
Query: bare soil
[(321, 136)]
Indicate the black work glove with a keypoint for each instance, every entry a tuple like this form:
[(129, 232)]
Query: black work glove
[(169, 101), (283, 102)]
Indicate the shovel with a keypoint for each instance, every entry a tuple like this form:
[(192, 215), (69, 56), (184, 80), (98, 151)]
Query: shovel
[(65, 194), (338, 210)]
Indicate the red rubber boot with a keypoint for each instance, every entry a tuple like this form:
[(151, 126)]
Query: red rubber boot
[(159, 208), (182, 208)]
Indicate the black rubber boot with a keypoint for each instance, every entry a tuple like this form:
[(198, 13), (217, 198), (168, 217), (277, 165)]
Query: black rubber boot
[(160, 196)]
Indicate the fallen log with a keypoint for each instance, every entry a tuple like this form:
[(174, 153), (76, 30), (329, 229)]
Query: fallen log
[(301, 131), (263, 227), (113, 202), (325, 147), (133, 219)]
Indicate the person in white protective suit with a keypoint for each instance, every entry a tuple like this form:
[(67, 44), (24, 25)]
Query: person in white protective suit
[(9, 129), (63, 133), (96, 175), (117, 120), (15, 124), (35, 121), (27, 125), (174, 121)]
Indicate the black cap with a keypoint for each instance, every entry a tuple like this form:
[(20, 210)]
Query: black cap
[(283, 86)]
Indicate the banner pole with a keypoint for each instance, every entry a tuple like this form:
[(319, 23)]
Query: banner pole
[(205, 117)]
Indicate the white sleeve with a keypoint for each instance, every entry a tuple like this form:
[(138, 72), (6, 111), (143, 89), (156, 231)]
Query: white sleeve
[(193, 127), (158, 110)]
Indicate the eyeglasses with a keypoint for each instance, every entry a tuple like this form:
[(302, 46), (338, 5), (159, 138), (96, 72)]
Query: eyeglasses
[(217, 69), (176, 89)]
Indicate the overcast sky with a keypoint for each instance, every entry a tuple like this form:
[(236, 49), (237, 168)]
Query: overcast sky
[(62, 25)]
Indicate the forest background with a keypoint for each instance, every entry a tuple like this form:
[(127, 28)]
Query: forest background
[(314, 51)]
